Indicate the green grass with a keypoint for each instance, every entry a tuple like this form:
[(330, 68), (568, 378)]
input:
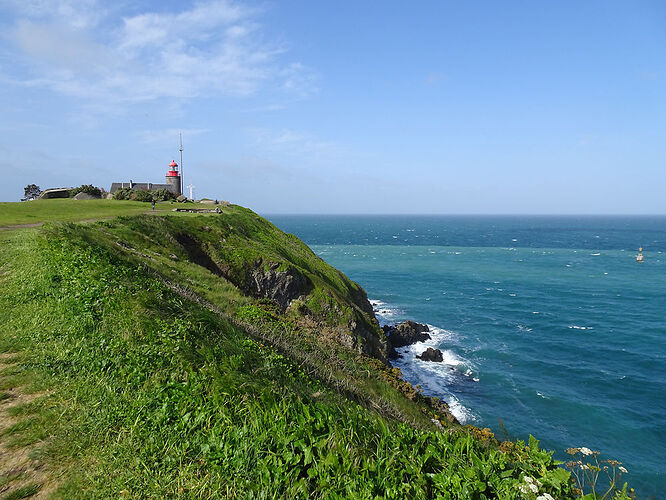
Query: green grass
[(156, 393), (23, 492), (68, 210)]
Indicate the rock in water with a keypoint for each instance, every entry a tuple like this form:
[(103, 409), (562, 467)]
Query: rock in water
[(431, 354), (406, 333)]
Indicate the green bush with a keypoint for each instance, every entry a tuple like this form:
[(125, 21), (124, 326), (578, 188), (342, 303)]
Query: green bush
[(86, 188), (140, 195), (143, 195), (122, 194), (163, 195)]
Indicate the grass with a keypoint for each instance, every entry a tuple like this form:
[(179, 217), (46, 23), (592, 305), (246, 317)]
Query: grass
[(68, 210), (200, 391), (23, 492)]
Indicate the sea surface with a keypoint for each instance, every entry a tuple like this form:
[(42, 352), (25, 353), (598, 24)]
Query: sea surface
[(548, 325)]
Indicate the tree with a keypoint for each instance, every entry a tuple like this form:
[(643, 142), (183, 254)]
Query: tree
[(31, 192)]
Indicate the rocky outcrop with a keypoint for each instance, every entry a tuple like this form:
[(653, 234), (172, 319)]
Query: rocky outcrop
[(280, 286), (431, 354), (404, 334)]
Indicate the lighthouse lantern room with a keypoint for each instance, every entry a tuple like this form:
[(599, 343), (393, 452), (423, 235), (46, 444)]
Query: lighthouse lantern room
[(173, 179)]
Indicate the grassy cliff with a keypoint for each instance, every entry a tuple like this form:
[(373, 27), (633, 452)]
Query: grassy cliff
[(216, 356)]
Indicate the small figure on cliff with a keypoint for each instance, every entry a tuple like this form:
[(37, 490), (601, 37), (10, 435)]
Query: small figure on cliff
[(152, 204)]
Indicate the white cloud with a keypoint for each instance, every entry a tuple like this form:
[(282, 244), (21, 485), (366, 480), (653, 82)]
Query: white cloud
[(296, 143), (215, 48)]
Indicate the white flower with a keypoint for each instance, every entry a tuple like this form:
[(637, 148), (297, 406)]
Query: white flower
[(586, 451), (523, 488), (545, 496), (528, 479), (622, 469), (534, 488), (537, 482)]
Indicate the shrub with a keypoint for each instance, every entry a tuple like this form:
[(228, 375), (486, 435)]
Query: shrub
[(122, 194), (86, 188), (163, 195), (140, 195)]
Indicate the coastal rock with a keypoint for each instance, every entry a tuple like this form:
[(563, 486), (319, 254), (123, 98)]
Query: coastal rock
[(406, 333), (431, 354), (281, 286), (181, 198)]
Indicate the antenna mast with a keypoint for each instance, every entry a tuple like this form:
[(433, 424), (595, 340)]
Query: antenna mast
[(182, 178)]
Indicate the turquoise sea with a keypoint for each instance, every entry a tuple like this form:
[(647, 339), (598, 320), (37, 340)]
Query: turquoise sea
[(547, 323)]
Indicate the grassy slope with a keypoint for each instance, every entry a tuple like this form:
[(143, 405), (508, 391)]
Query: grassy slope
[(158, 395)]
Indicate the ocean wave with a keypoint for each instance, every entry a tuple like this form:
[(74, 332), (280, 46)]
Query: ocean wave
[(576, 327), (384, 312), (436, 379)]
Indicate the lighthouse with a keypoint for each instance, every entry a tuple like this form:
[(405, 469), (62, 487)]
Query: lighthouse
[(173, 179)]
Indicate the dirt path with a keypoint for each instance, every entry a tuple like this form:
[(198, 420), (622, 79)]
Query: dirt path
[(19, 226), (21, 473)]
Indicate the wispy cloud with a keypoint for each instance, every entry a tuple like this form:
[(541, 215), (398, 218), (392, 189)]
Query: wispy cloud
[(295, 143), (79, 48)]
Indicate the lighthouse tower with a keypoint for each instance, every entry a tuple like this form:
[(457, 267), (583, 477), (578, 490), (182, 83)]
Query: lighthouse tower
[(173, 179)]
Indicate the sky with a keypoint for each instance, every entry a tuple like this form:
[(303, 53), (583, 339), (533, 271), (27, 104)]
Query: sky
[(445, 107)]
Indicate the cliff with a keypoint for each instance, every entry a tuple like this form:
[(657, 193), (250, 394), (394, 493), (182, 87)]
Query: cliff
[(216, 356)]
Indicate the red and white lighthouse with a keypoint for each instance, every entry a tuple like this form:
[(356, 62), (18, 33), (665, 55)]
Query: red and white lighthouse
[(173, 179)]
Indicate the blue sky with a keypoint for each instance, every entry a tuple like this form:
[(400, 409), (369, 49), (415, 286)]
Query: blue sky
[(343, 107)]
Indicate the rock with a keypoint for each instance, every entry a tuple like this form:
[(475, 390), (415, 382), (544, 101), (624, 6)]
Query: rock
[(174, 257), (181, 199), (406, 333), (109, 196), (431, 354), (84, 196), (206, 201), (281, 286)]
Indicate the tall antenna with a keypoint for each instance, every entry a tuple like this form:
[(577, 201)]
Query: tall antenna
[(182, 177), (191, 188)]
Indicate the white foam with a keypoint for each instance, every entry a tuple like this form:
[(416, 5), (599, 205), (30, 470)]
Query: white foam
[(595, 254), (462, 414), (384, 311), (435, 378), (576, 327)]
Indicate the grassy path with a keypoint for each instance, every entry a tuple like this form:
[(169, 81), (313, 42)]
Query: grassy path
[(22, 473)]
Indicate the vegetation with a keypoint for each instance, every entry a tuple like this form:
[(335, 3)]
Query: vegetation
[(154, 376), (66, 210), (143, 195), (86, 188), (31, 192)]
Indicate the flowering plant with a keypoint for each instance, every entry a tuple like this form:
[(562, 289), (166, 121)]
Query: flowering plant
[(586, 468)]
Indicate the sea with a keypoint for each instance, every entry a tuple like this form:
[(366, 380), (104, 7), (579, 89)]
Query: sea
[(548, 324)]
